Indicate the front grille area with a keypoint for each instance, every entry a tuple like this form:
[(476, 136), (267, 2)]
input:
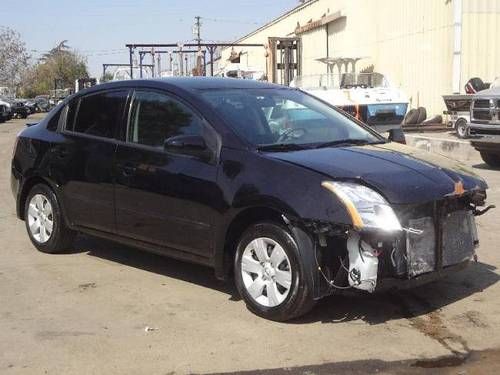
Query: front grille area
[(482, 103), (486, 111), (448, 236)]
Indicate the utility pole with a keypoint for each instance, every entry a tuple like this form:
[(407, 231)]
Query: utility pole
[(197, 30), (199, 56)]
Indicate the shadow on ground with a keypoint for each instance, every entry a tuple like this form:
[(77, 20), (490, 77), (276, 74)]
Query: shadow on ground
[(370, 308), (188, 272)]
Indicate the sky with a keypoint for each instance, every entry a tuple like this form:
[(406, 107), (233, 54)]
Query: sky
[(99, 29)]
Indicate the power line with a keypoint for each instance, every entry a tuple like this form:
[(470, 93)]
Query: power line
[(226, 20)]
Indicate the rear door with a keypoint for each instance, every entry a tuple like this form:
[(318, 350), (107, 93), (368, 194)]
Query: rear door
[(166, 198), (84, 159)]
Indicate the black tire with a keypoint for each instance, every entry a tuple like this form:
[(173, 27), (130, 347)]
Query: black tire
[(61, 237), (462, 128), (421, 115), (493, 160), (299, 300), (411, 117)]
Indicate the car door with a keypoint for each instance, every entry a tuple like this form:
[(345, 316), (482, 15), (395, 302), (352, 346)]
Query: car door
[(83, 159), (167, 197)]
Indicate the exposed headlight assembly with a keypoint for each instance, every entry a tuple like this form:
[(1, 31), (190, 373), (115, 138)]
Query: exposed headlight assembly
[(367, 208)]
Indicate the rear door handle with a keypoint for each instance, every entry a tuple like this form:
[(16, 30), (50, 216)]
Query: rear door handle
[(61, 152)]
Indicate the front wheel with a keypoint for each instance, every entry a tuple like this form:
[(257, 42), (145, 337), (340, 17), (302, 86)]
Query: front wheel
[(44, 221), (493, 160), (269, 274)]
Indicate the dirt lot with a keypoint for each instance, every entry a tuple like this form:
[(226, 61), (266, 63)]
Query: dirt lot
[(87, 311)]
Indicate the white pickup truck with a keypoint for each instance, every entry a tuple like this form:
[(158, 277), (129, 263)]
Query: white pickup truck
[(485, 124)]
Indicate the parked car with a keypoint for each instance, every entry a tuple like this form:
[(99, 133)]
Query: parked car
[(3, 112), (31, 105), (6, 113), (19, 110), (485, 121), (190, 168), (42, 102)]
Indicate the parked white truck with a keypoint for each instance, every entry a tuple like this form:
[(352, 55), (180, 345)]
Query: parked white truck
[(485, 124)]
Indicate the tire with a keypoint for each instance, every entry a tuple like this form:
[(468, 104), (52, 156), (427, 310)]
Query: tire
[(462, 128), (411, 117), (42, 206), (421, 115), (493, 160), (277, 242)]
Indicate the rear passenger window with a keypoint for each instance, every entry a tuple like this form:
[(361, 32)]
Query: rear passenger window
[(98, 114), (54, 121)]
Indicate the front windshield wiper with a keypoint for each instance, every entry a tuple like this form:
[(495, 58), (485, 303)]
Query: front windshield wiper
[(347, 141), (281, 147)]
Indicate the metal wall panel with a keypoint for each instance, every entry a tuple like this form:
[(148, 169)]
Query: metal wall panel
[(410, 41), (481, 40)]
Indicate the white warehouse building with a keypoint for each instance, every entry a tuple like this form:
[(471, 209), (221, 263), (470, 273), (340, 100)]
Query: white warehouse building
[(427, 48)]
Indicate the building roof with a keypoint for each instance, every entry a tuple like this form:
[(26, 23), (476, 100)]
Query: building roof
[(278, 19)]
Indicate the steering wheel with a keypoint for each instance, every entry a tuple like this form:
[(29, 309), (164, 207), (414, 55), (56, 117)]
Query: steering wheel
[(292, 133)]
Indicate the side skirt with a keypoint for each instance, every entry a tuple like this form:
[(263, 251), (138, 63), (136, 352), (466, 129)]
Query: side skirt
[(145, 246)]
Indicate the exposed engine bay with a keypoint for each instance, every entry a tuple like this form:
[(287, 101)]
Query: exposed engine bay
[(435, 236)]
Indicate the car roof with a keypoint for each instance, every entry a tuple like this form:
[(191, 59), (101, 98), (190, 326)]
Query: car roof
[(186, 83)]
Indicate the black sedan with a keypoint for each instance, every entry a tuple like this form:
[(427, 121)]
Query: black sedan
[(292, 198)]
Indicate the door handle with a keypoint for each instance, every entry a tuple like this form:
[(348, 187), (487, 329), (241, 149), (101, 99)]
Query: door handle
[(61, 152), (128, 170)]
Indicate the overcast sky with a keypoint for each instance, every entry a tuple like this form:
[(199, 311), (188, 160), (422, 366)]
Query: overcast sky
[(99, 29)]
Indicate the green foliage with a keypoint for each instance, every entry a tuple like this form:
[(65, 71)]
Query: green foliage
[(107, 77), (59, 68)]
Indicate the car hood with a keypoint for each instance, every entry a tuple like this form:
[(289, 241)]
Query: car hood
[(403, 174)]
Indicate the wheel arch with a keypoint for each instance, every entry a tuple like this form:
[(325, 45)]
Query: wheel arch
[(26, 188), (233, 231)]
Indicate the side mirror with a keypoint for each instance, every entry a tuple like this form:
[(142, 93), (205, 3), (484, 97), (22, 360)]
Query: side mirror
[(186, 144), (397, 135)]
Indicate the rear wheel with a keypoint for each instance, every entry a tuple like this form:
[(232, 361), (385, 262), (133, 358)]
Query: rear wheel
[(462, 128), (493, 160), (44, 221), (269, 274)]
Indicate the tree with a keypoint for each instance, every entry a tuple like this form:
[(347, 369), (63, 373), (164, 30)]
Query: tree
[(58, 68), (14, 58), (107, 77)]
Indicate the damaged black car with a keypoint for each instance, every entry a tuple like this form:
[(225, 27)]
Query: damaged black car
[(277, 190)]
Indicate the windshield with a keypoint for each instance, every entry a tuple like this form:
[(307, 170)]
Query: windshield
[(283, 116)]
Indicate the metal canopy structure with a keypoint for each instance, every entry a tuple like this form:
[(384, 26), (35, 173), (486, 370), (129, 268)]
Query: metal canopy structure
[(201, 47), (106, 66)]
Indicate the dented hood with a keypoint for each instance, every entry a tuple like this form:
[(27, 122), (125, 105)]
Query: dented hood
[(403, 174)]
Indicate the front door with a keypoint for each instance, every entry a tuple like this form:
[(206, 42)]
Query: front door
[(166, 197)]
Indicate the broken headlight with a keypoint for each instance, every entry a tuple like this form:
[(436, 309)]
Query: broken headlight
[(367, 208)]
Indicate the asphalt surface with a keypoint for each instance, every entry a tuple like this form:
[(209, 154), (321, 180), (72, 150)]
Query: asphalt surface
[(108, 309)]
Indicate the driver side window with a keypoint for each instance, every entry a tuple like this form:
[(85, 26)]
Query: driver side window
[(156, 117)]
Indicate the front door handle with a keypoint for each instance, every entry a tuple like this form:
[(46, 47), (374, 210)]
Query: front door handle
[(128, 170)]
